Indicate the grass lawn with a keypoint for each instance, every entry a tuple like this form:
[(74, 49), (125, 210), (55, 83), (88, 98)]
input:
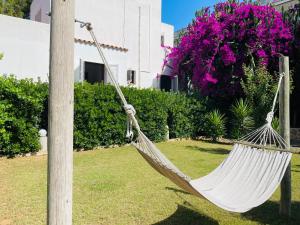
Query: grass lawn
[(116, 186)]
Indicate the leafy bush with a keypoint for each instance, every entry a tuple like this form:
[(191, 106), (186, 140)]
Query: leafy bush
[(21, 106), (101, 121), (185, 115), (242, 121), (215, 125), (99, 118), (275, 124), (260, 88), (152, 110)]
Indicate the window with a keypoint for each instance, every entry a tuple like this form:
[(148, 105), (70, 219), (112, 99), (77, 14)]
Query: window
[(168, 83), (162, 40), (165, 83), (93, 72), (131, 77)]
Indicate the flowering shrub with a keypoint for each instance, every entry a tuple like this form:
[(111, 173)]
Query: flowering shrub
[(216, 46)]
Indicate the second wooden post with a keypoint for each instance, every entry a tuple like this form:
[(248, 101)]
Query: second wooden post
[(284, 117)]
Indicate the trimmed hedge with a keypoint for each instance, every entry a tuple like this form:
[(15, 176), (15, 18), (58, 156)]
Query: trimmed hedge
[(21, 107), (99, 118)]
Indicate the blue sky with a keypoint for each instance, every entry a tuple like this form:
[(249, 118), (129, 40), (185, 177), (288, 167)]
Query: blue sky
[(181, 12)]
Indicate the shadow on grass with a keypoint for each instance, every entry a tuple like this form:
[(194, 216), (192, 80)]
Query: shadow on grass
[(297, 169), (187, 216), (268, 214), (175, 190), (219, 151)]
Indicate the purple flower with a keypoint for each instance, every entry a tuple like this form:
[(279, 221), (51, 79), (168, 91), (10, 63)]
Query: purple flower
[(209, 78), (218, 44), (227, 55)]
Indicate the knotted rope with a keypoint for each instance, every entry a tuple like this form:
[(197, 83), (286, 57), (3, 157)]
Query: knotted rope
[(129, 109)]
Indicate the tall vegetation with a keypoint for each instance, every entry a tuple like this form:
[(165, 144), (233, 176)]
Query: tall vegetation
[(259, 87), (242, 120), (217, 45), (21, 107), (99, 118), (214, 125), (17, 8)]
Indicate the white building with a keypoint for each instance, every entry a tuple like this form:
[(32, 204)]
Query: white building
[(284, 4), (130, 31)]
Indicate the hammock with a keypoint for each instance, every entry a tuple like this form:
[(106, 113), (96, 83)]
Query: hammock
[(246, 179)]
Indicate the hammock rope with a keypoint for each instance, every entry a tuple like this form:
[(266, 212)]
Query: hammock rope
[(244, 180)]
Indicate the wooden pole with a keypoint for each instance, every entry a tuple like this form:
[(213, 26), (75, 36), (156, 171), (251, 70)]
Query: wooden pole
[(284, 114), (60, 143)]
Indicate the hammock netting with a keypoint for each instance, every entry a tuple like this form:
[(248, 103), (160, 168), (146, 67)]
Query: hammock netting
[(245, 179)]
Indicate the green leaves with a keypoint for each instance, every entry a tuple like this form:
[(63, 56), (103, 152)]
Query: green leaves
[(21, 108), (259, 87), (242, 121), (99, 118), (17, 8), (215, 124)]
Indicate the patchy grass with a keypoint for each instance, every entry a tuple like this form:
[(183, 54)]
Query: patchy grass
[(116, 186)]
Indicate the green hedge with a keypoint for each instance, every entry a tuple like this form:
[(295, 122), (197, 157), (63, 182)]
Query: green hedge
[(99, 118), (21, 107)]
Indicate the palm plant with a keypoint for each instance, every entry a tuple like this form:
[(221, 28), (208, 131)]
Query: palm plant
[(215, 125), (275, 124), (242, 121)]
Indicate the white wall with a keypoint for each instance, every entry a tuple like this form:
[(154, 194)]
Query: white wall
[(168, 32), (131, 24), (39, 10), (25, 45), (284, 4)]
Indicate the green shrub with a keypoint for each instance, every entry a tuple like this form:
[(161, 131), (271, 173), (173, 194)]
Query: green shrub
[(242, 121), (151, 108), (275, 124), (260, 88), (214, 125), (179, 122), (99, 119), (21, 106), (198, 107)]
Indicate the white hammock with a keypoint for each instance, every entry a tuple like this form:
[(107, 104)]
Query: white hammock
[(246, 179)]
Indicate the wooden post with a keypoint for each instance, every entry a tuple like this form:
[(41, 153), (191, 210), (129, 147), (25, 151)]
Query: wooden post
[(60, 142), (284, 114)]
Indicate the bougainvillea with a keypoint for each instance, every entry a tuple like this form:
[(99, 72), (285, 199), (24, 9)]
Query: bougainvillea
[(217, 45)]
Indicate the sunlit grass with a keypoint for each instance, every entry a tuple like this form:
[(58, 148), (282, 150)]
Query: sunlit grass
[(116, 186)]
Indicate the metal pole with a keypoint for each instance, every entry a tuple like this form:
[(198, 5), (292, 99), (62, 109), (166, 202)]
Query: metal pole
[(284, 114), (61, 95)]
